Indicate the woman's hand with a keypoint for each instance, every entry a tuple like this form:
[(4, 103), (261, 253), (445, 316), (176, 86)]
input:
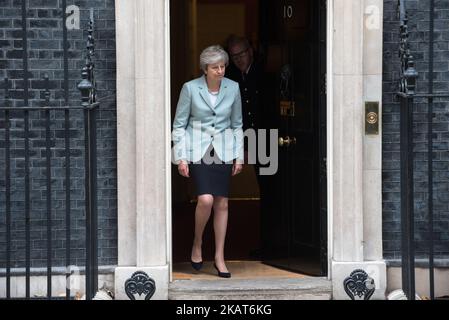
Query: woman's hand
[(237, 168), (183, 169)]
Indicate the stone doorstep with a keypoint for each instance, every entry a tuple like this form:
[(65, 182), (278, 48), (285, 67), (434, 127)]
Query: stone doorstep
[(251, 289)]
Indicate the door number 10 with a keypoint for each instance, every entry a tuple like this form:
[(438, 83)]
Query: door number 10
[(288, 12)]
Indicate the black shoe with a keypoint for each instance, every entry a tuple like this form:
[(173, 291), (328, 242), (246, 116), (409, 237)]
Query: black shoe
[(222, 274), (197, 265)]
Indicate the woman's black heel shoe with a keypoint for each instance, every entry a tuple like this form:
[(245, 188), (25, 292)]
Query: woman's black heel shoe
[(222, 274), (197, 265)]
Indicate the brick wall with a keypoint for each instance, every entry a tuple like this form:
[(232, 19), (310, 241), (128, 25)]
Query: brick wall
[(45, 52), (419, 44)]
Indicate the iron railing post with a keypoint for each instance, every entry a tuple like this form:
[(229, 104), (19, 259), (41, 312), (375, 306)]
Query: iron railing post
[(88, 97), (8, 189), (407, 86), (67, 150), (49, 187), (430, 151), (85, 87), (26, 127), (93, 198), (407, 212)]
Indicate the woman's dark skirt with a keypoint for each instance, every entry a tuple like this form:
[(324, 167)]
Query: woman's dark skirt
[(211, 178)]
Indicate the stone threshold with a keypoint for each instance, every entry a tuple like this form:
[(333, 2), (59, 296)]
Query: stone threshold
[(310, 288)]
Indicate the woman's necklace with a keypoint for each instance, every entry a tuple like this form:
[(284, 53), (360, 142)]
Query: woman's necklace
[(214, 93)]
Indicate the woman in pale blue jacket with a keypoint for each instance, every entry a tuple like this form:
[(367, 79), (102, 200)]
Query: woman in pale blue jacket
[(208, 145)]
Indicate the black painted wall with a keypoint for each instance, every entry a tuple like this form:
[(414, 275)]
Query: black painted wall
[(419, 43), (45, 53)]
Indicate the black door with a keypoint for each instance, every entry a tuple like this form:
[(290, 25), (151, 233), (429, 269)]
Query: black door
[(294, 226)]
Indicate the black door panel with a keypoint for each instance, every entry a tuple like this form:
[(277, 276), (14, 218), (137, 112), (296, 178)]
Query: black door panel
[(294, 222)]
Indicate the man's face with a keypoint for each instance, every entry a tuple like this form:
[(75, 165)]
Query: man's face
[(242, 56)]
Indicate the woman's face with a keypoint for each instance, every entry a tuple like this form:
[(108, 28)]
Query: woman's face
[(216, 71)]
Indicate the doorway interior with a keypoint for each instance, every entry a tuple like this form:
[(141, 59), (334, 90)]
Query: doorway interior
[(289, 232)]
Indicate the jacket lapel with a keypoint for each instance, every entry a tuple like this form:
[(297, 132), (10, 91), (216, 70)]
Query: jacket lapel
[(203, 92), (222, 93)]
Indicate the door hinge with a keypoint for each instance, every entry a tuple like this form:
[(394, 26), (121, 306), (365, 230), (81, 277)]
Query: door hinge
[(324, 84), (324, 4), (324, 165)]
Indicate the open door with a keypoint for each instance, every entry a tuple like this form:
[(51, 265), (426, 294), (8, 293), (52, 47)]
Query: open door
[(294, 229)]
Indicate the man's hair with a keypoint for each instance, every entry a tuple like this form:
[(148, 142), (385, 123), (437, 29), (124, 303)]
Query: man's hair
[(237, 40)]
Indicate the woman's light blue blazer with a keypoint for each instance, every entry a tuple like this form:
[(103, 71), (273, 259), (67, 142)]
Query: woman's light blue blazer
[(197, 123)]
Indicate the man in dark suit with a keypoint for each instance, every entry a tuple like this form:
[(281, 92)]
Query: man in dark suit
[(249, 74)]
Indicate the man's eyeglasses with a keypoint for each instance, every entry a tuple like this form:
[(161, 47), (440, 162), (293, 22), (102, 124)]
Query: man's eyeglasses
[(239, 55)]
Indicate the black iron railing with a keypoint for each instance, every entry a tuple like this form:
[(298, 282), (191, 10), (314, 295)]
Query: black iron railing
[(407, 94), (90, 104), (53, 119), (23, 114)]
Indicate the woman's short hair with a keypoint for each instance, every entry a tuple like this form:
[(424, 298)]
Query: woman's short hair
[(211, 55)]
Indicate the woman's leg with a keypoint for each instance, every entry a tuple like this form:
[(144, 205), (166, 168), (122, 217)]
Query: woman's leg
[(220, 225), (202, 214)]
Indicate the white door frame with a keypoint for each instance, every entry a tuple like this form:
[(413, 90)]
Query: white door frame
[(329, 128), (168, 142), (354, 69), (329, 35)]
